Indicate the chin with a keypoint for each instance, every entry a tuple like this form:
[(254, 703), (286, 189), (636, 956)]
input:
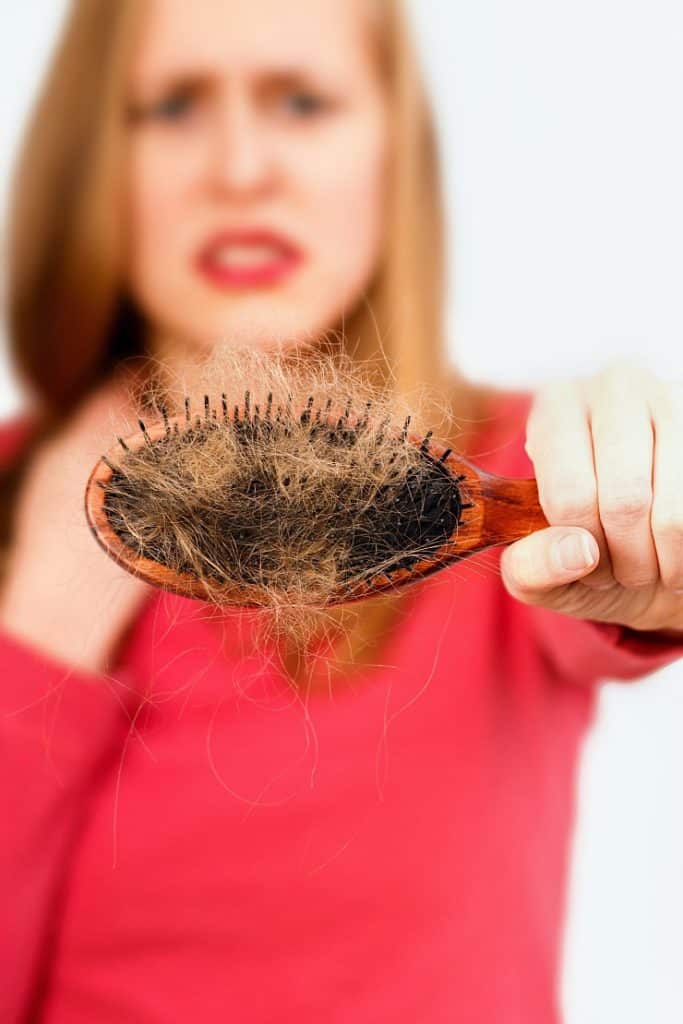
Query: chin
[(266, 331)]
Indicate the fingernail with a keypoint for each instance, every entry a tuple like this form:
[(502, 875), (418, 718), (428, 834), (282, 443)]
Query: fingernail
[(575, 551)]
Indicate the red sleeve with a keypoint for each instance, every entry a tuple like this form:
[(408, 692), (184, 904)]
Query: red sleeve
[(60, 727), (584, 651)]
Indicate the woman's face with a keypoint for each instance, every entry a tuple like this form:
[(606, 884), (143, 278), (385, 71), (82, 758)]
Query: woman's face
[(256, 169)]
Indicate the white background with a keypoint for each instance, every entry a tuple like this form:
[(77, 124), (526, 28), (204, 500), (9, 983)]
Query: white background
[(563, 159)]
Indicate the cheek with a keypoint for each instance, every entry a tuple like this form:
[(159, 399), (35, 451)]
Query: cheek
[(345, 187), (157, 187)]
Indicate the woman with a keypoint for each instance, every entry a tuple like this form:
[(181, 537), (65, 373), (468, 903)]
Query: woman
[(393, 848)]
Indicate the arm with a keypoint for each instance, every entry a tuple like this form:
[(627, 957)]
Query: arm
[(64, 610), (61, 728), (588, 652)]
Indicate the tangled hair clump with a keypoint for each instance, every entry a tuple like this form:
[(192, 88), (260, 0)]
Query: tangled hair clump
[(294, 481)]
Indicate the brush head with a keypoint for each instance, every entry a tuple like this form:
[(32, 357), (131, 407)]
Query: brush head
[(264, 506)]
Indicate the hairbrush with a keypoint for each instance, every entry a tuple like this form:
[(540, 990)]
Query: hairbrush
[(260, 505)]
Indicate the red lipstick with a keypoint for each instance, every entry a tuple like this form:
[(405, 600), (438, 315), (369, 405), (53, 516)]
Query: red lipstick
[(247, 258)]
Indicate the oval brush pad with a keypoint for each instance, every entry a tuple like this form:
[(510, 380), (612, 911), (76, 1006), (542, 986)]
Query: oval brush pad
[(261, 507)]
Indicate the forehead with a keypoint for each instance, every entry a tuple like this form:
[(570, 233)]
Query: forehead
[(249, 36)]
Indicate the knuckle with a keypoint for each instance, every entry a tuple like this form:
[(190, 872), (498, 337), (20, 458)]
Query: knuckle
[(627, 503), (547, 397), (571, 505), (619, 377), (622, 366), (636, 578), (673, 580), (667, 522)]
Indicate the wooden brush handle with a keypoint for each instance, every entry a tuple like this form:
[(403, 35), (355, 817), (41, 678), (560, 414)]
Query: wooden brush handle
[(503, 510)]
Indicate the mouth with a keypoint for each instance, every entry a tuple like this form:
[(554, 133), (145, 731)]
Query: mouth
[(247, 259)]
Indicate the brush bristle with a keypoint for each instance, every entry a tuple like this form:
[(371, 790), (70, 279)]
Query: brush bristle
[(294, 483)]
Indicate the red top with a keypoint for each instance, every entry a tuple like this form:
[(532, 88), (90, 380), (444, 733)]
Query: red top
[(395, 851)]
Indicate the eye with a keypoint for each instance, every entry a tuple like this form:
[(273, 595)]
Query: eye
[(304, 103), (174, 106)]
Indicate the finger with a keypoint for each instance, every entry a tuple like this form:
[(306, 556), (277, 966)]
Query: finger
[(560, 446), (621, 428), (536, 566), (667, 506)]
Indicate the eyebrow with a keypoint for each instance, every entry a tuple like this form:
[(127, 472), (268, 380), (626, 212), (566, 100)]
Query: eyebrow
[(198, 80)]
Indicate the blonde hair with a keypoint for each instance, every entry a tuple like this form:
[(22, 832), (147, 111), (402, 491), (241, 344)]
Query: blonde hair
[(69, 320)]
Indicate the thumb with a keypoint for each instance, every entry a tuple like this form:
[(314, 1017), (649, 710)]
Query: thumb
[(536, 565)]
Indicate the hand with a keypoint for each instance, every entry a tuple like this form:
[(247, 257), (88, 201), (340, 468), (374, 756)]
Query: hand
[(608, 458), (61, 592)]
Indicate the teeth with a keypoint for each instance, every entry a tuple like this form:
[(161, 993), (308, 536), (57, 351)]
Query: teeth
[(245, 255)]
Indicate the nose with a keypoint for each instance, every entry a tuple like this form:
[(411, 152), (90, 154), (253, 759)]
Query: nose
[(241, 161)]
